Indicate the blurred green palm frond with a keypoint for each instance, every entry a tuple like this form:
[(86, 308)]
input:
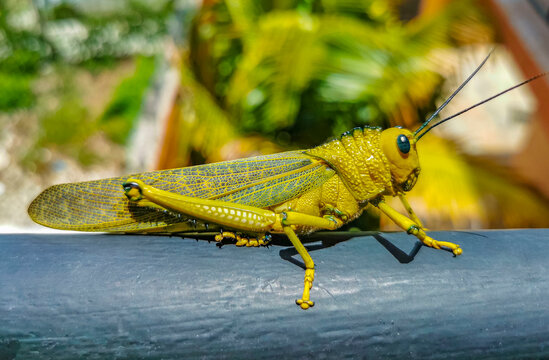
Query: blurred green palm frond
[(339, 65), (204, 126), (201, 131), (279, 62), (122, 110)]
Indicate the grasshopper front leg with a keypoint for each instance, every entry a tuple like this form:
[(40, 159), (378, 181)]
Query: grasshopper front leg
[(414, 228), (238, 216), (410, 211)]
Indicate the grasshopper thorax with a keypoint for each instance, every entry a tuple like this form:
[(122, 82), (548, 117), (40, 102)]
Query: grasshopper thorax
[(399, 146)]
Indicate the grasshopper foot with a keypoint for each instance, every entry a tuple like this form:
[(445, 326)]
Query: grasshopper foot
[(305, 301), (305, 304), (261, 240), (429, 241), (239, 240), (245, 241), (454, 248), (222, 236), (225, 235)]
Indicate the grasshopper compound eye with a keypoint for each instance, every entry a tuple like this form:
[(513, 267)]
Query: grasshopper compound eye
[(403, 144)]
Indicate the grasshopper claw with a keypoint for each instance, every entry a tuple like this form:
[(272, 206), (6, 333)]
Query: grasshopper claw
[(305, 304), (429, 241)]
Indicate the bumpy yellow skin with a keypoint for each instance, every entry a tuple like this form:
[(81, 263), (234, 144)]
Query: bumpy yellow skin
[(292, 193)]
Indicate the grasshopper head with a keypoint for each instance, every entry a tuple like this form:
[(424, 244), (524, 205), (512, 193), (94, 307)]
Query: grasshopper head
[(399, 146)]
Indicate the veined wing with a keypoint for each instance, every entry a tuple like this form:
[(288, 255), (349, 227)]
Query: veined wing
[(101, 205)]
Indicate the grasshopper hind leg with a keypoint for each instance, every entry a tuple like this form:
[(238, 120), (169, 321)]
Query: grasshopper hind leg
[(248, 219)]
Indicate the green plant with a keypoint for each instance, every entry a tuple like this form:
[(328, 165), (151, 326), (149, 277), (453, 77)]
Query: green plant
[(120, 114), (15, 91)]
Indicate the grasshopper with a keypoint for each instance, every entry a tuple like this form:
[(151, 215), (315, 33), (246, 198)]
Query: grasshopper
[(291, 193)]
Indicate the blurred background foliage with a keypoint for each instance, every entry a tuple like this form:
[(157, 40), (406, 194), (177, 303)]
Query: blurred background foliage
[(123, 108), (282, 68), (77, 79)]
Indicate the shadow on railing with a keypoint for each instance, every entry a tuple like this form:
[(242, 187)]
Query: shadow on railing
[(331, 239)]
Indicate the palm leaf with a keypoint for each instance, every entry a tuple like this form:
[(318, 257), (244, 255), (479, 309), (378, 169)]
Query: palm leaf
[(277, 65)]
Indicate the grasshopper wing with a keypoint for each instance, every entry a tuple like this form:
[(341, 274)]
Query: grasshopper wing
[(101, 205)]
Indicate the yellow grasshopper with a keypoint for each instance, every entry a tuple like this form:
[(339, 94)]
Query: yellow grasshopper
[(291, 193)]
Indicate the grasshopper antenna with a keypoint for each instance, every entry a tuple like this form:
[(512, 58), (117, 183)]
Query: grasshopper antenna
[(482, 102), (453, 94)]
